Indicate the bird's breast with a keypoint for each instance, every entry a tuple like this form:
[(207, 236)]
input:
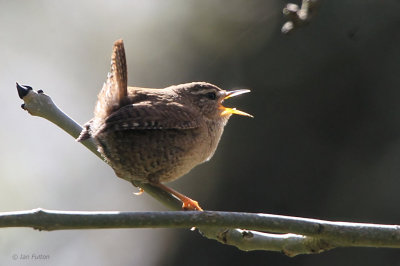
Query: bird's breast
[(157, 155)]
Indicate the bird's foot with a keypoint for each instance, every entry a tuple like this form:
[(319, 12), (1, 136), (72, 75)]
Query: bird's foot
[(140, 192), (187, 203), (190, 205)]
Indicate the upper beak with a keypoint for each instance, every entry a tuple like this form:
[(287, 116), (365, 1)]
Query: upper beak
[(227, 110)]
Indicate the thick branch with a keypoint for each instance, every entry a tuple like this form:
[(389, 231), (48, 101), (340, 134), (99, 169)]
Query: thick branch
[(321, 235)]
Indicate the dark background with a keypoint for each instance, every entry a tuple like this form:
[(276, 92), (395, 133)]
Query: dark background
[(324, 143)]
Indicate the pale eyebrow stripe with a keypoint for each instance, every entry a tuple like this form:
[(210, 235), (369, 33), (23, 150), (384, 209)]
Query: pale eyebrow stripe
[(203, 91)]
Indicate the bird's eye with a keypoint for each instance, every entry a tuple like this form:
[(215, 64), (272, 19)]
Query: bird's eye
[(211, 95)]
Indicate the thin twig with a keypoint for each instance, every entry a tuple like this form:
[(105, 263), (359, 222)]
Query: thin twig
[(37, 103), (298, 16)]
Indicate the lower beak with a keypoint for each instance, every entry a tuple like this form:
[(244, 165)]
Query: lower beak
[(227, 110)]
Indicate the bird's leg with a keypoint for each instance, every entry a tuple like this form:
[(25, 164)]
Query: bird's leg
[(187, 203)]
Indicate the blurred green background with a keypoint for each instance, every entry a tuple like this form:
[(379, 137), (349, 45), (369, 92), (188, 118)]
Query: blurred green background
[(324, 143)]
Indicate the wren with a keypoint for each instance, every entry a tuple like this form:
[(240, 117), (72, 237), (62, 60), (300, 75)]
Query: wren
[(157, 135)]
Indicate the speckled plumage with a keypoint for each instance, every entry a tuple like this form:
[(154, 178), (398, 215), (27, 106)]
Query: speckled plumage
[(155, 135)]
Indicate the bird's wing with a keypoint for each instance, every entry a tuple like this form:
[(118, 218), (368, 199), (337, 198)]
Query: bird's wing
[(146, 116)]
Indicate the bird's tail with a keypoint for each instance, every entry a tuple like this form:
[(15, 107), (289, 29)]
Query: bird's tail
[(112, 94), (115, 88)]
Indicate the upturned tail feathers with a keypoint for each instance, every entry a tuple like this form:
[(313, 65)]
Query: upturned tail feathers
[(113, 92), (115, 88)]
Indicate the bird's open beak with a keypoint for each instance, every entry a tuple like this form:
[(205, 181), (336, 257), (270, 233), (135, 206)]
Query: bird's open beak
[(227, 110)]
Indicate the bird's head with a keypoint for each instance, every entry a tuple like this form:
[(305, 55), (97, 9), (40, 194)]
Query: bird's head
[(208, 98)]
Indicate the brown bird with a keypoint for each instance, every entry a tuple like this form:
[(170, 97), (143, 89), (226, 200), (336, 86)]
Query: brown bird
[(157, 135)]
